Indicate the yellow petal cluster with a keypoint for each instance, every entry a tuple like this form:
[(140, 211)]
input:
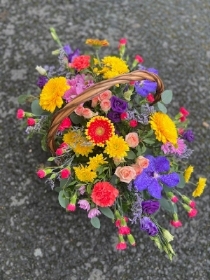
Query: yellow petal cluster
[(164, 127), (188, 172), (116, 147), (84, 174), (52, 93), (95, 162), (113, 66), (200, 187)]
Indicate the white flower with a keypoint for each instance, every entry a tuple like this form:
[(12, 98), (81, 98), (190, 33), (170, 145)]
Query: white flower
[(41, 70)]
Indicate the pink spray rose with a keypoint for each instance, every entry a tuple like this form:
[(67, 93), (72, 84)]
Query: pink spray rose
[(105, 95), (105, 105), (132, 139), (125, 173)]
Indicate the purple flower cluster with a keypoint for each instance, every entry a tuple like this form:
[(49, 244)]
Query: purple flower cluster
[(70, 53), (147, 225), (42, 80), (118, 105), (149, 207), (151, 179), (145, 87), (188, 135)]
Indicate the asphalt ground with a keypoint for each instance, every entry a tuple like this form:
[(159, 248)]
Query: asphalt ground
[(38, 239)]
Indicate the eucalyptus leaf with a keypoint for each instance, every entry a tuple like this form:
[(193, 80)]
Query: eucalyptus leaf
[(95, 222), (181, 181), (131, 155), (162, 107), (22, 98), (62, 198), (75, 118), (63, 183), (36, 109), (168, 205), (107, 212), (166, 96)]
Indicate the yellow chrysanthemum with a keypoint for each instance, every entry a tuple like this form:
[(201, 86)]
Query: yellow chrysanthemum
[(84, 174), (78, 142), (116, 147), (188, 172), (164, 127), (200, 187), (95, 162), (52, 92), (113, 66), (97, 42)]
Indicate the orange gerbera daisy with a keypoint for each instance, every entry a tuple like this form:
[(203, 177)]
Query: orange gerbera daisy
[(99, 130)]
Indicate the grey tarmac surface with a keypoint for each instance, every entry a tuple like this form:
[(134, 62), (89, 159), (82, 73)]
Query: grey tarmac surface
[(38, 240)]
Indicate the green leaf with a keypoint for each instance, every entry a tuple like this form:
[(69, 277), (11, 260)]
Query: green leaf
[(22, 98), (62, 198), (95, 222), (36, 109), (166, 96), (63, 183), (75, 118), (44, 143), (162, 107), (57, 189), (131, 155), (181, 181), (168, 205), (149, 141), (114, 179), (107, 212), (51, 158)]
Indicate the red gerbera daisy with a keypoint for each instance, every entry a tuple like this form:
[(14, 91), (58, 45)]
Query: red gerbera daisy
[(99, 130), (104, 194)]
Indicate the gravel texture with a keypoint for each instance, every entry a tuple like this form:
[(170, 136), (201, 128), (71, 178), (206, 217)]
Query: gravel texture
[(38, 240)]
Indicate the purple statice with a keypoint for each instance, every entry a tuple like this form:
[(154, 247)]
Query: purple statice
[(114, 116), (149, 207), (188, 135), (84, 204), (186, 154), (77, 85), (145, 87), (93, 213), (152, 177), (142, 117), (70, 53), (136, 209), (146, 224), (151, 70), (118, 105), (50, 182), (42, 80)]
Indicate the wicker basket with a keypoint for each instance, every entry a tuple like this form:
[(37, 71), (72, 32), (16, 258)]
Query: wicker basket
[(95, 90)]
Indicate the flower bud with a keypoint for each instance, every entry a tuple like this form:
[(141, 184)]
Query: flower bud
[(41, 70), (31, 122), (20, 114), (131, 240), (167, 235)]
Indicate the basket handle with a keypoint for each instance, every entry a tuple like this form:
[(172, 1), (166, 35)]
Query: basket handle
[(95, 90)]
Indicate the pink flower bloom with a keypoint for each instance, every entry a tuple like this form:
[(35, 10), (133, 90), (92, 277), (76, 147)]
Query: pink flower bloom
[(123, 116), (184, 111), (126, 173), (41, 173), (107, 94), (192, 213), (64, 145), (59, 151), (105, 105), (84, 204), (20, 114), (65, 173), (180, 131), (192, 204), (118, 223), (66, 123), (142, 162), (31, 121), (174, 199), (133, 123), (95, 101), (93, 213), (123, 41), (150, 98), (137, 168), (71, 207), (87, 113), (124, 230), (82, 190), (79, 110), (121, 246), (176, 223), (169, 148), (132, 139), (139, 58), (77, 85)]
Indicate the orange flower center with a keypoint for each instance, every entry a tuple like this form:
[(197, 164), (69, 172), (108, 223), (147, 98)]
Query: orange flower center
[(100, 131)]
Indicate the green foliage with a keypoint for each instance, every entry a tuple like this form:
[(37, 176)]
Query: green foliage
[(181, 181), (162, 107), (107, 212), (36, 109), (166, 96), (63, 198), (168, 205), (131, 155), (95, 222), (23, 98)]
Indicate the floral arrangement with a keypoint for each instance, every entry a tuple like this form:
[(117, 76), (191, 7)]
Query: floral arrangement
[(118, 153)]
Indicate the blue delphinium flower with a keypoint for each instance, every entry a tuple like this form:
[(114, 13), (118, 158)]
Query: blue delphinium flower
[(145, 87), (147, 225), (156, 174)]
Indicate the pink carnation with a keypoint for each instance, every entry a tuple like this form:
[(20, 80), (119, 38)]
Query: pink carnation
[(31, 121), (71, 207), (176, 223), (65, 173), (20, 114), (124, 230), (66, 123), (139, 58), (121, 246), (41, 173), (192, 213)]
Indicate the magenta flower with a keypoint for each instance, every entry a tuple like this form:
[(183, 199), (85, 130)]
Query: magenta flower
[(169, 148)]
